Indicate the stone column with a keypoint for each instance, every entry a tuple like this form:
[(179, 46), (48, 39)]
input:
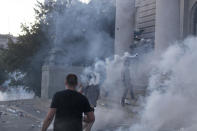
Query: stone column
[(125, 10), (167, 23), (185, 19), (53, 78)]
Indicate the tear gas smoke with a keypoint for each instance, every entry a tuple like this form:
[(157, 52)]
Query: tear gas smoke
[(18, 92), (171, 104), (171, 101), (108, 73), (109, 79), (80, 31)]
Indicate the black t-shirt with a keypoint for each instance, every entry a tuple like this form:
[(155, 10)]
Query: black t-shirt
[(70, 105)]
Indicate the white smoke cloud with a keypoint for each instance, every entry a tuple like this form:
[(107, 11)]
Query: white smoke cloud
[(9, 92), (18, 93), (85, 1), (82, 32), (171, 105), (108, 74), (171, 101)]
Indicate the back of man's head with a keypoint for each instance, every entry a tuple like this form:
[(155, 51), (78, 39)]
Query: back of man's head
[(71, 80)]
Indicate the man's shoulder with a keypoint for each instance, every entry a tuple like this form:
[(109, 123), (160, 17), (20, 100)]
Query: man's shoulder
[(68, 93), (81, 95), (60, 92)]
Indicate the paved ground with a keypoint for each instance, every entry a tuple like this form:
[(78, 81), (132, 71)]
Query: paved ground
[(27, 115), (22, 115)]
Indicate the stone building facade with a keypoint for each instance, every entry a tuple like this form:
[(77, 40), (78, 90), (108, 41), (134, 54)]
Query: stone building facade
[(164, 21)]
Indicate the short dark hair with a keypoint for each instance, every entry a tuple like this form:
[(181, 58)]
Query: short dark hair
[(72, 80)]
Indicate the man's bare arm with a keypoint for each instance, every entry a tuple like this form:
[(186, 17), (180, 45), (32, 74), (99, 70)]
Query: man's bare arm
[(48, 119), (89, 117)]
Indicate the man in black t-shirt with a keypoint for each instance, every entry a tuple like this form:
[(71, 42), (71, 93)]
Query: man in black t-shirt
[(68, 107)]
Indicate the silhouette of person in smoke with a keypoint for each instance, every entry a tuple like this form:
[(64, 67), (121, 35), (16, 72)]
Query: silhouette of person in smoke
[(126, 79), (92, 92)]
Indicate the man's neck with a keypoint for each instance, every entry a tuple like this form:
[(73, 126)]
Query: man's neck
[(71, 88)]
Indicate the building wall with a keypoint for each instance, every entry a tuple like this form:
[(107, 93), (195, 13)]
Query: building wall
[(145, 17)]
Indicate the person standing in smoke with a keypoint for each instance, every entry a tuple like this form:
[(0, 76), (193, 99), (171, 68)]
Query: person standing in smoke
[(92, 92), (126, 80)]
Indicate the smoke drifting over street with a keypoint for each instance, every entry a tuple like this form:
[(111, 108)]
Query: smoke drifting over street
[(171, 104), (109, 74), (9, 92), (18, 93)]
